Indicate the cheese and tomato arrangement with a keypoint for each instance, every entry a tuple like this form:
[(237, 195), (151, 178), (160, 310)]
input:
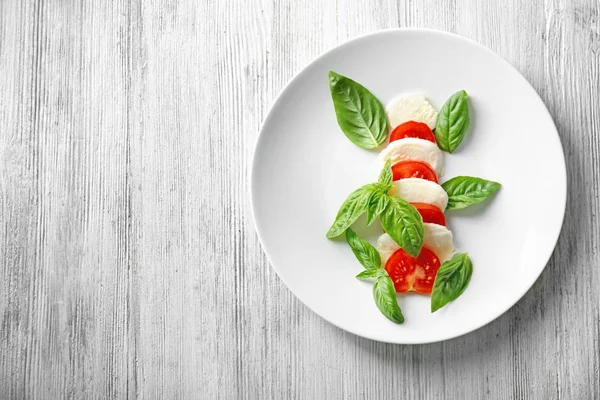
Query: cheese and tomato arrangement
[(416, 251)]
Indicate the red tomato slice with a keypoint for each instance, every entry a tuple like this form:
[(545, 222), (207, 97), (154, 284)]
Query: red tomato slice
[(413, 169), (412, 129), (430, 213), (410, 273)]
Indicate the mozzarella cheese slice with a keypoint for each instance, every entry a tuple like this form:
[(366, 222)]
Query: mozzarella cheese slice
[(416, 190), (415, 150), (386, 247), (411, 107), (437, 238)]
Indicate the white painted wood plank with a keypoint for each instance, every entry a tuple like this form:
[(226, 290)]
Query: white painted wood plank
[(65, 295)]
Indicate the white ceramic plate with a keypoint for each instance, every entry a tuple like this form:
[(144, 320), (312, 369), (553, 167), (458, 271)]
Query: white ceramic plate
[(304, 167)]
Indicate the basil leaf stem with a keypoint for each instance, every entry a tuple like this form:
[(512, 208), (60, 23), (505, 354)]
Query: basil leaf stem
[(368, 273)]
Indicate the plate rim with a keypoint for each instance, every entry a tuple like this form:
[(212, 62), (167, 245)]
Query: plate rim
[(381, 32)]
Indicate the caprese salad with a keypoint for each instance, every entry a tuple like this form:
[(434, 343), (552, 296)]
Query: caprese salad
[(416, 251)]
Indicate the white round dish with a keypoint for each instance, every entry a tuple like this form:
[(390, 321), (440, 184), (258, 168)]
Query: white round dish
[(304, 167)]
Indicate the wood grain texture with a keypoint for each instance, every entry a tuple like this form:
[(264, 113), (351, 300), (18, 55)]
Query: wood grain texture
[(129, 263)]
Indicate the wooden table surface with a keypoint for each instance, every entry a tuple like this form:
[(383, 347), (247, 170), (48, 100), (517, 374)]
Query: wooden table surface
[(129, 262)]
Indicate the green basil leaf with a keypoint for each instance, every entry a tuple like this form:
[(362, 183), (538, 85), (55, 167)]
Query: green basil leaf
[(451, 280), (386, 176), (404, 224), (359, 114), (368, 273), (351, 209), (453, 122), (384, 294), (377, 203), (464, 191), (364, 251)]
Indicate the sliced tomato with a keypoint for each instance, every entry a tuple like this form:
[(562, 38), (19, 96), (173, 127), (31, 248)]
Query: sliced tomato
[(430, 213), (413, 273), (413, 169), (412, 129)]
